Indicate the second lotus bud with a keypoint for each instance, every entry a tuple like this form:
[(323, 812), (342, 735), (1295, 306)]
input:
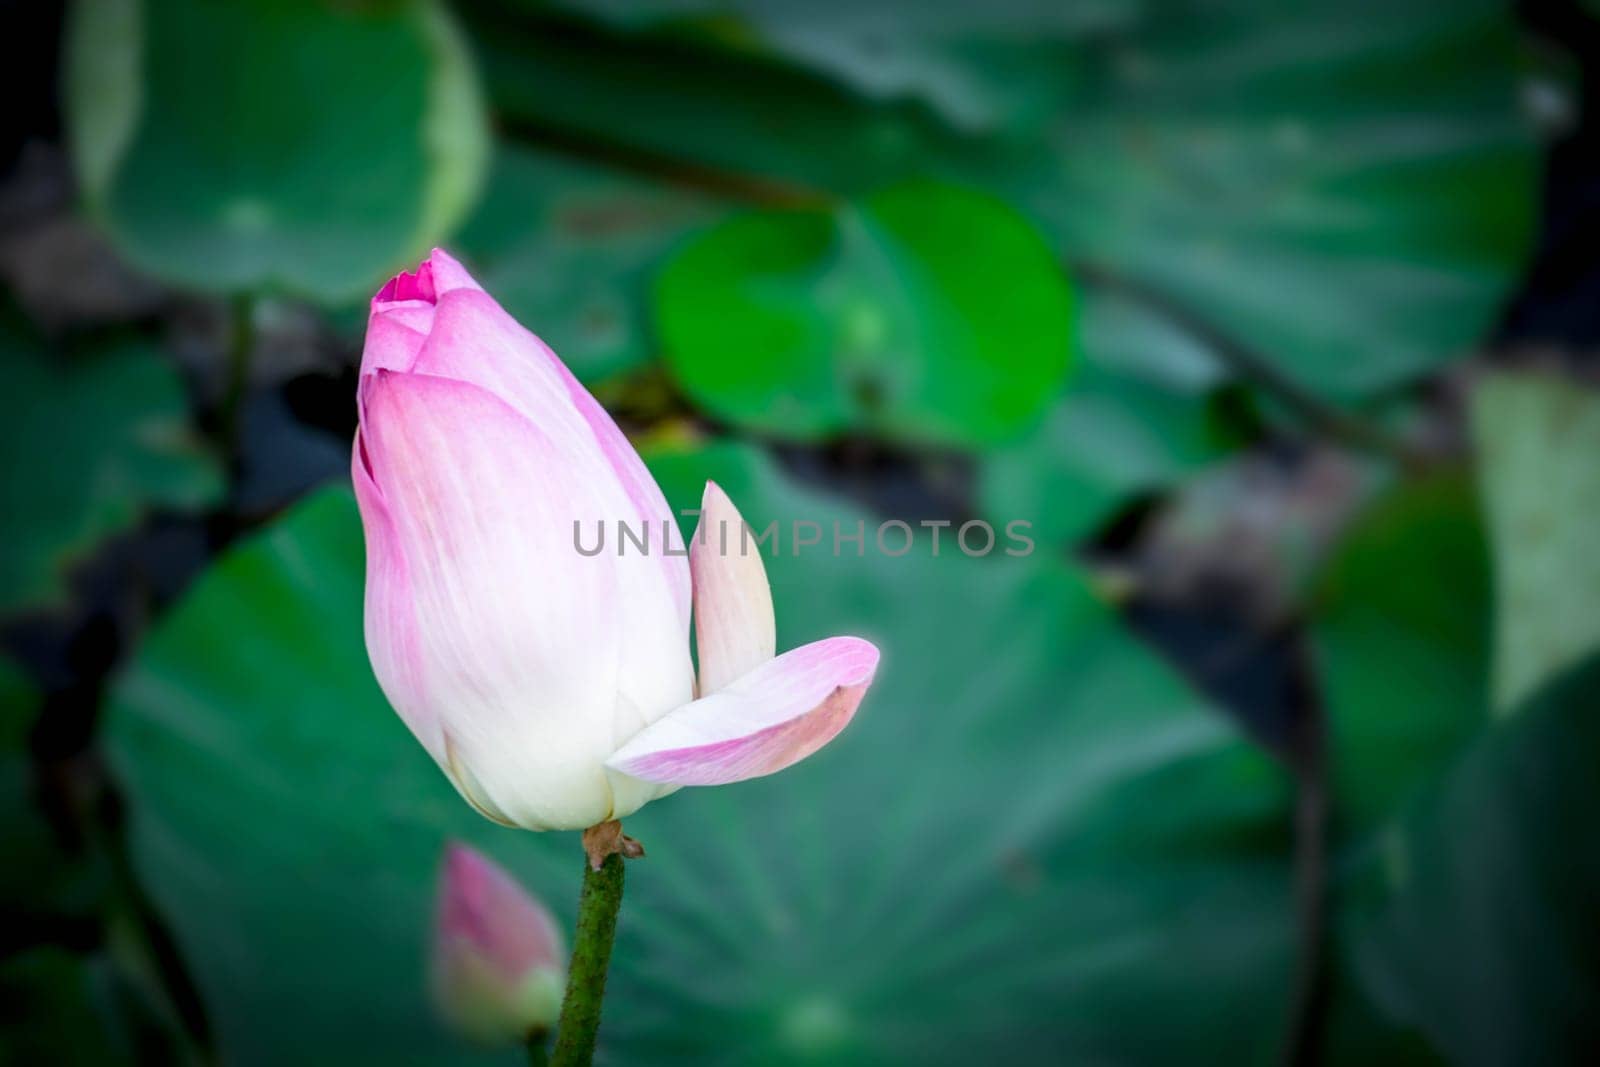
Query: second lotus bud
[(497, 969)]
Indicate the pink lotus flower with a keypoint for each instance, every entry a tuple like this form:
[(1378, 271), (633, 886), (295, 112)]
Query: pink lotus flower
[(497, 953), (556, 689)]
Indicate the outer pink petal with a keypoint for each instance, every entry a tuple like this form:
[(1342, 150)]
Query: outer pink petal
[(734, 626), (648, 501), (473, 339), (771, 718), (484, 345), (390, 616), (510, 631)]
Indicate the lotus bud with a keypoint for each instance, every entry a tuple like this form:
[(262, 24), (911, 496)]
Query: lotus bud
[(555, 687), (498, 968)]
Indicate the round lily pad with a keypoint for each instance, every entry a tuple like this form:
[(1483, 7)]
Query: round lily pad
[(1032, 839), (292, 144), (925, 312)]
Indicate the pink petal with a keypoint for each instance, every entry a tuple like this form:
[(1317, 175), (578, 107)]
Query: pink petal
[(473, 339), (440, 273), (467, 337), (392, 340), (402, 312), (390, 622), (500, 626), (648, 500), (772, 717), (733, 619)]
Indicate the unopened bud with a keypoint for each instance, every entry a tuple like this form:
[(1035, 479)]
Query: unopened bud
[(498, 967)]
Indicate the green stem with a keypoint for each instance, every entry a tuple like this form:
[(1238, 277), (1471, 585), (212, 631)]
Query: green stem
[(591, 955), (538, 1050)]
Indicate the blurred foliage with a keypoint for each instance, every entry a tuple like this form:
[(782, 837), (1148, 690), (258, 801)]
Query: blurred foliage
[(1403, 636), (1345, 191), (924, 312), (131, 447), (1538, 441), (1465, 890), (1474, 916), (1347, 188), (1110, 438), (1023, 260), (57, 1010), (571, 246), (43, 881), (1113, 845), (293, 144)]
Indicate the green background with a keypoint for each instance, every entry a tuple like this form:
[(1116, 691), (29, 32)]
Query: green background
[(1282, 745)]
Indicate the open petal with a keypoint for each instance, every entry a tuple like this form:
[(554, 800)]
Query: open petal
[(768, 719), (733, 620)]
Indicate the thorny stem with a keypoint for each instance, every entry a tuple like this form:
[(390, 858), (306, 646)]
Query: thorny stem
[(601, 898)]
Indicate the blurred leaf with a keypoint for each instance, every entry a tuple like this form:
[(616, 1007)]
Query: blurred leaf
[(305, 145), (1347, 188), (924, 312), (55, 1008), (980, 68), (130, 447), (1032, 840), (1358, 1031), (1474, 914), (1110, 438), (25, 838), (1137, 417), (1401, 632), (19, 703), (1125, 337), (567, 248), (1538, 443)]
